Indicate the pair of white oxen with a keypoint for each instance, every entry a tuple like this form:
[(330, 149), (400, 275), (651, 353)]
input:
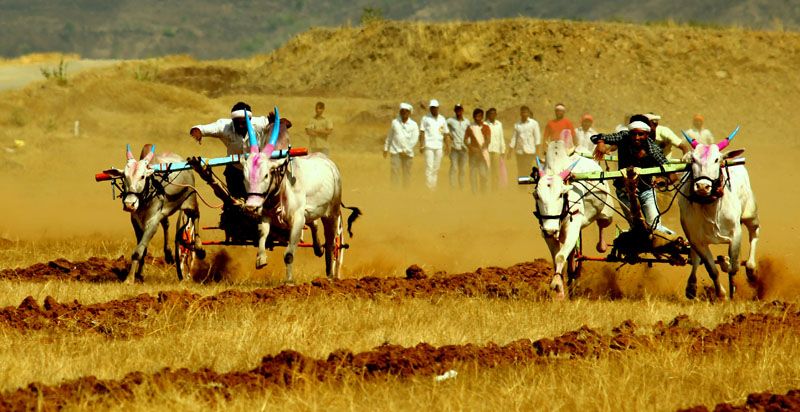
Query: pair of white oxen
[(301, 191), (713, 206)]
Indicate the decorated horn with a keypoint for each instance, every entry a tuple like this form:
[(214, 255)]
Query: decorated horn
[(150, 155), (128, 153), (251, 133), (725, 142), (276, 129), (539, 166), (566, 172), (691, 141)]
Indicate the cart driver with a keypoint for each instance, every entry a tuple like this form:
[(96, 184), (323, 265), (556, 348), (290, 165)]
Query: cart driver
[(635, 149), (233, 134)]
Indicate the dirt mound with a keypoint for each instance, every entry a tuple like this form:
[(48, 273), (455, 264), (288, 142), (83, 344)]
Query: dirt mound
[(94, 270), (210, 80), (289, 368), (117, 317), (764, 401)]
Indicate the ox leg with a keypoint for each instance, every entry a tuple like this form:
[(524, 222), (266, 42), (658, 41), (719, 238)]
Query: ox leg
[(168, 257), (733, 252), (329, 225), (557, 283), (314, 227), (753, 229), (573, 232), (298, 222), (137, 258), (263, 233), (711, 267), (602, 246), (691, 283)]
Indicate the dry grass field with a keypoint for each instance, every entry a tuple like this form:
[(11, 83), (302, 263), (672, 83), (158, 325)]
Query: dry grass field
[(72, 337)]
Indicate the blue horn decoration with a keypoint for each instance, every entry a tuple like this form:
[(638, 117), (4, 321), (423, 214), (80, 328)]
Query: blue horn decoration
[(688, 139), (733, 133), (538, 163), (251, 133), (276, 128), (153, 148)]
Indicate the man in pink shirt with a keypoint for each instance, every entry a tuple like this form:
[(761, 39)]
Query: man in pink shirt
[(552, 130)]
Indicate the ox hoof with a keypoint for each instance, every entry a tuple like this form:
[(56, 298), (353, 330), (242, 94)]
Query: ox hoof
[(691, 291), (602, 247), (288, 258), (751, 275), (261, 262), (318, 252), (169, 258), (200, 253)]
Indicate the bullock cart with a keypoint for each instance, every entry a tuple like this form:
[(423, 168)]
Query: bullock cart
[(639, 244), (238, 223)]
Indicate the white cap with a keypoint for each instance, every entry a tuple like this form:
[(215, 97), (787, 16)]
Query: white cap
[(639, 125), (434, 103), (406, 106), (651, 116)]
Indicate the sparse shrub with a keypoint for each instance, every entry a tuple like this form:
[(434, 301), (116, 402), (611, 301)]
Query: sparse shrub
[(371, 15), (145, 72), (57, 74)]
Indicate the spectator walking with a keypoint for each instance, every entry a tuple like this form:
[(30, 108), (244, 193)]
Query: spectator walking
[(319, 130), (399, 145), (552, 130), (477, 139), (432, 132), (457, 125), (497, 151), (583, 135), (698, 132), (526, 138)]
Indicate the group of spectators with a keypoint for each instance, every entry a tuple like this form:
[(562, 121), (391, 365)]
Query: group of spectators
[(480, 143)]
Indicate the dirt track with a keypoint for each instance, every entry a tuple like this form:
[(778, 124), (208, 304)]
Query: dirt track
[(289, 368)]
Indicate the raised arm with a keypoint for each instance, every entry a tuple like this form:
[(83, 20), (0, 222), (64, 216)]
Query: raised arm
[(215, 129)]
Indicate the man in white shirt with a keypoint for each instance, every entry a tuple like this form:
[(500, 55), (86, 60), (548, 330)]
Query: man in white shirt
[(665, 137), (233, 134), (527, 136), (400, 141), (624, 125), (698, 132), (432, 131), (457, 126), (497, 147), (583, 134)]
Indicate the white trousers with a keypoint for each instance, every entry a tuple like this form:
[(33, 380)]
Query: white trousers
[(433, 160)]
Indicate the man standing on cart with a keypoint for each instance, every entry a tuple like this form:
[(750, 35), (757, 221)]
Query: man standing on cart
[(637, 150)]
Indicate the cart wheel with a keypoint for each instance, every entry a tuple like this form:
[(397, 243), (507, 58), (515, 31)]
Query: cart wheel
[(338, 248), (184, 246)]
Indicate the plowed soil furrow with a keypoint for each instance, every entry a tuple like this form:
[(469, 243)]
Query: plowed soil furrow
[(117, 318), (764, 401), (289, 368), (95, 270)]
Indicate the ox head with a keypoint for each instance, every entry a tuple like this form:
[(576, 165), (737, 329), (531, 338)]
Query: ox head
[(134, 178), (707, 161), (551, 198), (261, 174)]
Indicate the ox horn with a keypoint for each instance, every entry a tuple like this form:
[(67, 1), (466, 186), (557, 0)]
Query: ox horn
[(148, 157), (725, 142), (691, 141), (251, 133), (128, 152), (566, 172), (539, 166), (276, 129)]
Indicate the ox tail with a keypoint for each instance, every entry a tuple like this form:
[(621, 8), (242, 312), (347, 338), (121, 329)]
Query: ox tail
[(354, 214)]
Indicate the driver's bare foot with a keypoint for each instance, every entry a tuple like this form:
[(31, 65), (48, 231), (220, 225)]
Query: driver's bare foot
[(602, 246)]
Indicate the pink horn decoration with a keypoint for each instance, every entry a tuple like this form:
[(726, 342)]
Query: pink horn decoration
[(724, 143), (128, 153), (691, 141), (568, 171)]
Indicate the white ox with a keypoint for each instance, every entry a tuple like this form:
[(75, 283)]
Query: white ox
[(152, 199), (565, 208), (714, 206), (291, 193)]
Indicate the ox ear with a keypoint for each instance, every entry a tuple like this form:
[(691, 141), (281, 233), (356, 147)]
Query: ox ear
[(733, 154)]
